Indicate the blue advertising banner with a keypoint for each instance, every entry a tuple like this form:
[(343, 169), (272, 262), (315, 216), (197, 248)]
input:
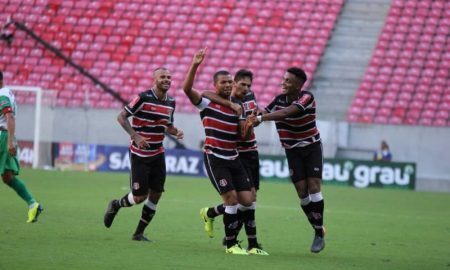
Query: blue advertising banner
[(116, 158), (357, 173)]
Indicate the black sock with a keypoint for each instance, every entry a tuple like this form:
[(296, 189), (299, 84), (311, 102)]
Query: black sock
[(317, 216), (240, 222), (146, 217), (307, 210), (230, 224), (215, 211), (123, 202), (248, 218)]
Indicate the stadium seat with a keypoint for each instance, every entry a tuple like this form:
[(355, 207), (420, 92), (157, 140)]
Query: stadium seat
[(420, 72), (88, 32)]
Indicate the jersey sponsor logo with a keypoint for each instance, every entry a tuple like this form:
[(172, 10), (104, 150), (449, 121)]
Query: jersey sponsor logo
[(249, 106), (223, 182)]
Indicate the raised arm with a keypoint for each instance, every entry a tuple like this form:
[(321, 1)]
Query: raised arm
[(193, 95), (224, 102)]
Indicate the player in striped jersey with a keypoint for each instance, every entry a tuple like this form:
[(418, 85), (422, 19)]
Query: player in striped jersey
[(223, 129), (294, 113), (152, 115), (248, 154)]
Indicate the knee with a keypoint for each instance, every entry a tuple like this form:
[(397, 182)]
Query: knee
[(7, 178), (139, 199), (154, 196), (301, 188), (230, 198), (313, 186)]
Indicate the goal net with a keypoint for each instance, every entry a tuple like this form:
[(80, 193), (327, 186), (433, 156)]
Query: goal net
[(31, 104)]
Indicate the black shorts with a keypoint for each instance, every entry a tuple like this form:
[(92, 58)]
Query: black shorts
[(305, 162), (250, 161), (147, 173), (226, 175)]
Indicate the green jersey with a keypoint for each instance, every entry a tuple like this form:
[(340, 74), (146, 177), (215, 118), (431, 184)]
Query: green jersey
[(7, 103)]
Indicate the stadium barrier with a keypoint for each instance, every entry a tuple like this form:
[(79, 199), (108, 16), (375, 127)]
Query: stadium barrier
[(186, 162)]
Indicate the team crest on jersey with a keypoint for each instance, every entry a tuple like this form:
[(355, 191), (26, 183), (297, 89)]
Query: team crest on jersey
[(136, 186), (223, 182), (133, 102)]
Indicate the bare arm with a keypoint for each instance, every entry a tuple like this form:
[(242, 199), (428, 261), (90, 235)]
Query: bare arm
[(11, 126), (246, 127), (224, 102), (193, 95), (122, 118), (281, 114)]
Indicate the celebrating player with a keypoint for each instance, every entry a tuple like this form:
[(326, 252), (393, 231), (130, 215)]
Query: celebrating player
[(152, 115), (295, 114)]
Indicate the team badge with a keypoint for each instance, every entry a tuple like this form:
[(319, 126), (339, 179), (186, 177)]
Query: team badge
[(223, 182), (135, 186)]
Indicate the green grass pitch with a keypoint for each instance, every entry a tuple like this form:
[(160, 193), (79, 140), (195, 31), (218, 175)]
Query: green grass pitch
[(366, 229)]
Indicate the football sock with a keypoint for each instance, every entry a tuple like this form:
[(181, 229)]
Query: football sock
[(21, 189), (247, 215), (126, 201), (148, 211), (305, 204), (215, 211), (317, 206), (230, 224)]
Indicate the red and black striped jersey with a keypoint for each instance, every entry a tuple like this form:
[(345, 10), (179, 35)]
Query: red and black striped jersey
[(221, 129), (249, 105), (300, 129), (151, 117)]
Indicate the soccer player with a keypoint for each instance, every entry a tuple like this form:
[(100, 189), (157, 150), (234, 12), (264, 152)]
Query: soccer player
[(152, 115), (294, 111), (248, 155), (9, 163), (223, 128)]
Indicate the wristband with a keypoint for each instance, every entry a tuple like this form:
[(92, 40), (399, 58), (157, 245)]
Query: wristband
[(259, 118)]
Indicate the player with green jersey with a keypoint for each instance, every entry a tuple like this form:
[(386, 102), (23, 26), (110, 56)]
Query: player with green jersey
[(9, 163)]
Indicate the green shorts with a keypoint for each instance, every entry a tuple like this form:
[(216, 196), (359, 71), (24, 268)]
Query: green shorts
[(7, 162)]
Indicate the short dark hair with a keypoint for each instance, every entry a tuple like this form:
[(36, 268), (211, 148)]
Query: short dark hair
[(159, 68), (298, 72), (218, 73), (1, 75), (243, 73)]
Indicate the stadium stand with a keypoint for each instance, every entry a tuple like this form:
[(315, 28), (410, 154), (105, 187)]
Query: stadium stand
[(120, 42), (407, 80)]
